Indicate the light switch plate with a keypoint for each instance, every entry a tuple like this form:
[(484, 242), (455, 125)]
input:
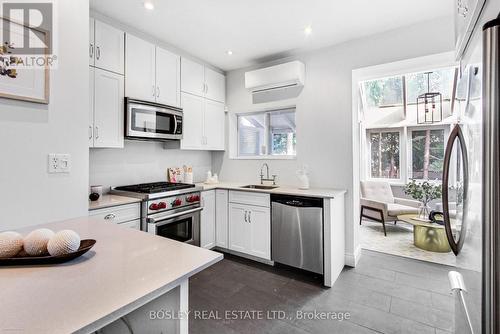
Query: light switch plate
[(64, 163)]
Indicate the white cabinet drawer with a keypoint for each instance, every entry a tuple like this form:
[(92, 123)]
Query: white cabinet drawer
[(135, 224), (250, 198), (118, 214)]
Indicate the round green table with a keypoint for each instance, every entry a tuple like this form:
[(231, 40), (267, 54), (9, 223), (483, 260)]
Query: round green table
[(427, 235)]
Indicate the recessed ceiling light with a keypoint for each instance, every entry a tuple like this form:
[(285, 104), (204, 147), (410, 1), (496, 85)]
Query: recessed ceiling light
[(308, 30), (229, 52), (149, 5)]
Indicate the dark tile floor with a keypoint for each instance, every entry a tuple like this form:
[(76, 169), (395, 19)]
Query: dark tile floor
[(383, 294)]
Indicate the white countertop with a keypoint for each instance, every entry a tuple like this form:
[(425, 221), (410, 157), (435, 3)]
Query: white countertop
[(125, 269), (282, 189), (106, 201)]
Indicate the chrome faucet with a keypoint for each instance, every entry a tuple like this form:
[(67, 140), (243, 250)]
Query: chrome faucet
[(262, 179)]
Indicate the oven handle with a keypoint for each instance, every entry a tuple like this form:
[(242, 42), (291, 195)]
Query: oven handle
[(178, 214), (175, 126)]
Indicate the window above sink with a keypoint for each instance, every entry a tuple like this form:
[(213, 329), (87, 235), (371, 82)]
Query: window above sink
[(269, 134)]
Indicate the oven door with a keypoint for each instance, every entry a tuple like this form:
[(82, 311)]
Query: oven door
[(183, 226), (150, 121)]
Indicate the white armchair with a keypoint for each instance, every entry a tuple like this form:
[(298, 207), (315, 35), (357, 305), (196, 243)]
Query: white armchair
[(379, 204)]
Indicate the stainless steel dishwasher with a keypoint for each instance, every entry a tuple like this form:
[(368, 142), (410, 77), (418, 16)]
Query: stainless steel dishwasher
[(297, 232)]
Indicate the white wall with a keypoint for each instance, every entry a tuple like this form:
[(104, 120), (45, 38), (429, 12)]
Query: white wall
[(141, 162), (324, 116), (29, 195)]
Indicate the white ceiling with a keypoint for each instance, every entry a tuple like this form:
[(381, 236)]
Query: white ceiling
[(257, 30)]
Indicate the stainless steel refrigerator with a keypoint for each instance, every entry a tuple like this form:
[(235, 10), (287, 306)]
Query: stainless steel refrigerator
[(472, 172)]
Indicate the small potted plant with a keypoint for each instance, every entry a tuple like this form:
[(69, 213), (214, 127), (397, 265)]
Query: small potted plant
[(423, 192)]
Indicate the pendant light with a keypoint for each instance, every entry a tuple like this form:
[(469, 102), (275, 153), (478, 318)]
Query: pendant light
[(429, 105)]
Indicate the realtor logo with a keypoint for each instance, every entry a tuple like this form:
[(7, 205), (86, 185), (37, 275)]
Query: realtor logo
[(27, 28)]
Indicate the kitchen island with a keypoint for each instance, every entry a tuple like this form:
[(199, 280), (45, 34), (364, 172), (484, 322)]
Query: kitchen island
[(125, 271)]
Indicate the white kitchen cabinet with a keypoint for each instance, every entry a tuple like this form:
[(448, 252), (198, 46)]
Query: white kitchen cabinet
[(91, 106), (202, 81), (250, 229), (221, 218), (203, 123), (107, 47), (168, 77), (108, 109), (134, 224), (119, 214), (192, 127), (214, 125), (151, 73), (140, 69), (207, 220), (215, 85), (238, 228), (259, 243), (192, 77), (91, 41)]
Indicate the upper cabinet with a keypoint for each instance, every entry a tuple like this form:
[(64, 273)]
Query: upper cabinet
[(140, 69), (106, 109), (203, 124), (106, 47), (202, 81), (215, 85), (192, 77), (168, 77), (152, 73)]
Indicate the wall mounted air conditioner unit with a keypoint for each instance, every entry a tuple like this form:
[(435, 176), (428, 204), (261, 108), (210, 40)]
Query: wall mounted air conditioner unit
[(278, 82)]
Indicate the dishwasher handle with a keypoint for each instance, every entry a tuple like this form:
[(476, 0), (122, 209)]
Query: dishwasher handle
[(298, 201)]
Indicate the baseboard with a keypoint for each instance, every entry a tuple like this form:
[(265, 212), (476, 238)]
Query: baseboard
[(351, 259), (246, 256)]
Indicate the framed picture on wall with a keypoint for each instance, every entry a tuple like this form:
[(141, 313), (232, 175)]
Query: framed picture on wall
[(23, 77)]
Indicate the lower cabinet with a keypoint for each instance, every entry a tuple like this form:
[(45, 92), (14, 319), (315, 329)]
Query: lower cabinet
[(221, 218), (128, 215), (250, 230), (207, 219)]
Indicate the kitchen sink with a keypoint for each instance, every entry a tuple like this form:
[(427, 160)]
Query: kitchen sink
[(259, 186)]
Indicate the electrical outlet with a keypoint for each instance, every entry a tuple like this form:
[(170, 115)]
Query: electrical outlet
[(53, 163), (59, 163)]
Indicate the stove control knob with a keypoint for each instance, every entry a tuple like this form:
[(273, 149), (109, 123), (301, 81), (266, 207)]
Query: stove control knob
[(162, 205), (154, 206), (177, 202), (192, 198)]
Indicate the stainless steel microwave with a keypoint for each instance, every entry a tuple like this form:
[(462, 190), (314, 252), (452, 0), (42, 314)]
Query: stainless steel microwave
[(152, 121)]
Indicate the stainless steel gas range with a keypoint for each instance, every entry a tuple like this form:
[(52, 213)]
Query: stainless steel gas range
[(170, 210)]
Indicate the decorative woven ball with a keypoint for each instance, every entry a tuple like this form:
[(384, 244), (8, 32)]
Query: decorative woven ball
[(35, 243), (11, 244), (63, 242)]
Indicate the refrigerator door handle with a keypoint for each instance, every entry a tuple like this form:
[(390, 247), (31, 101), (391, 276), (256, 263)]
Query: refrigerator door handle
[(456, 133), (458, 288)]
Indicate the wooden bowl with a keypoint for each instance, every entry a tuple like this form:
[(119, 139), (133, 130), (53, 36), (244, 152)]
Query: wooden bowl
[(85, 246)]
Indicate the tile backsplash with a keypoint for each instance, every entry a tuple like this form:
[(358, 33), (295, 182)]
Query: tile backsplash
[(141, 162)]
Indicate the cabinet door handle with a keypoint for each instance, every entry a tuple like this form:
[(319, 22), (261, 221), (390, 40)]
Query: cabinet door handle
[(158, 91), (154, 91), (91, 50), (110, 216), (96, 132), (98, 53), (90, 131), (246, 220), (250, 216)]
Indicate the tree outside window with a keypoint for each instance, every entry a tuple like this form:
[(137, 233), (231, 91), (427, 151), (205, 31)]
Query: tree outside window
[(385, 155), (427, 152)]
